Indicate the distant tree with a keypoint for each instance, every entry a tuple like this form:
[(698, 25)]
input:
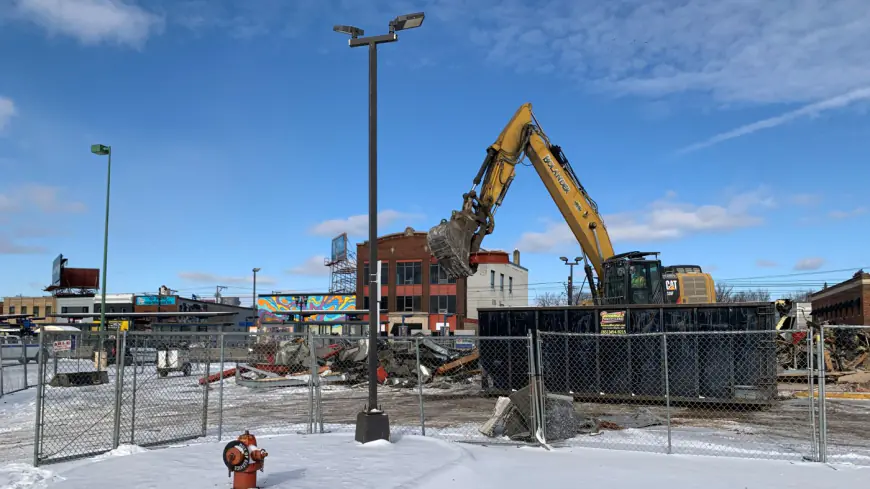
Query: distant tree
[(727, 294), (800, 296), (550, 299)]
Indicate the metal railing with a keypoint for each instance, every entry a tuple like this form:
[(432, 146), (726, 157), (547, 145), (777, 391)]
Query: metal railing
[(708, 393)]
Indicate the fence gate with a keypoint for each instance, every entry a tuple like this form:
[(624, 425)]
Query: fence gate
[(163, 399), (75, 400)]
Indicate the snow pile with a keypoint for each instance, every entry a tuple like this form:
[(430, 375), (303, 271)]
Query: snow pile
[(26, 476), (376, 443), (121, 451)]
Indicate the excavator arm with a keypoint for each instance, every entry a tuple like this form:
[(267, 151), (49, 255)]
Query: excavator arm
[(453, 242)]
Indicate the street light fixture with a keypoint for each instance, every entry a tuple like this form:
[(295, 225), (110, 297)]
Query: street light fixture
[(372, 423), (571, 264)]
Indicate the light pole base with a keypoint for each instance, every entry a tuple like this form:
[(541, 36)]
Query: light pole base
[(372, 426)]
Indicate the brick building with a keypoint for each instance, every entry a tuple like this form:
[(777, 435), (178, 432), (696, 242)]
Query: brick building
[(416, 289), (39, 307), (412, 284), (844, 303)]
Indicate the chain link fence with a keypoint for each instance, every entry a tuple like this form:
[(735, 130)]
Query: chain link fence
[(844, 352), (18, 363), (707, 393)]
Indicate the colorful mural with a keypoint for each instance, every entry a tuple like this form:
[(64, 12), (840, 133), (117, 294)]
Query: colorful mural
[(267, 306)]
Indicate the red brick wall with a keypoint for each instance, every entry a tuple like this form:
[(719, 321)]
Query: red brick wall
[(852, 315), (403, 247)]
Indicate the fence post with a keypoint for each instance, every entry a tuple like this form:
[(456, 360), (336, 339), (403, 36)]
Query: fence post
[(2, 373), (667, 388), (205, 386), (40, 387), (311, 418), (133, 400), (24, 360), (823, 415), (120, 360), (221, 390), (420, 384), (811, 398)]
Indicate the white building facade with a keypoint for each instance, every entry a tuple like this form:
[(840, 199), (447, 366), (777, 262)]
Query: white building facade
[(499, 282), (75, 305)]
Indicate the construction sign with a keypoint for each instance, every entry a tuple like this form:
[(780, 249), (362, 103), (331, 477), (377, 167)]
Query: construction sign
[(612, 322)]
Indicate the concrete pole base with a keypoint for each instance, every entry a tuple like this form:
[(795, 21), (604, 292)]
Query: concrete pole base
[(372, 426)]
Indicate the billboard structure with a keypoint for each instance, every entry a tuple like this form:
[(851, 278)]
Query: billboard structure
[(56, 269), (342, 267), (72, 282), (339, 248)]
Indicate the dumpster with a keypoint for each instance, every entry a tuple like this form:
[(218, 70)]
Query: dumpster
[(715, 353)]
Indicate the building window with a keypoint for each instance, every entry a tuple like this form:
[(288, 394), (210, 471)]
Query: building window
[(492, 279), (442, 304), (47, 311), (64, 310), (510, 285), (385, 274), (437, 275), (86, 309), (36, 311), (409, 303), (23, 309), (385, 303), (409, 273), (501, 282), (11, 309)]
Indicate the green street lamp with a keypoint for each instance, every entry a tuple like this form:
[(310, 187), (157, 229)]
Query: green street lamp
[(102, 150)]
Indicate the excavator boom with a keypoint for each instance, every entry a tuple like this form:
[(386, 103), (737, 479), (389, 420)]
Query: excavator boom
[(453, 241)]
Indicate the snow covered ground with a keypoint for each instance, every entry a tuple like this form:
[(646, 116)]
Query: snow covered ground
[(79, 420), (336, 460)]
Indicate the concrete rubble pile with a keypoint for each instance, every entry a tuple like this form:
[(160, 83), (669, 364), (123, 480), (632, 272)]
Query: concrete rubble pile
[(512, 419), (439, 365)]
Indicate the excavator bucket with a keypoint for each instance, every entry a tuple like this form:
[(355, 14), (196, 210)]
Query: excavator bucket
[(450, 242)]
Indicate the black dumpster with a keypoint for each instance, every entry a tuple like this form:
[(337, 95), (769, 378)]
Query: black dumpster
[(715, 353)]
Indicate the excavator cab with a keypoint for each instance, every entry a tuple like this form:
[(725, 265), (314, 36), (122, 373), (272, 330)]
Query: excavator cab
[(632, 278)]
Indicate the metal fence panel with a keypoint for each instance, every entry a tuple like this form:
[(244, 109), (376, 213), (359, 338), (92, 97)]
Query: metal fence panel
[(844, 363), (266, 386), (162, 394), (18, 367), (75, 400)]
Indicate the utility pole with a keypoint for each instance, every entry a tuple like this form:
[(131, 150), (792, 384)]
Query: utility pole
[(217, 293), (571, 264)]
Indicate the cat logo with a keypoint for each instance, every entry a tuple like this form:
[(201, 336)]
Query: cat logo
[(670, 285)]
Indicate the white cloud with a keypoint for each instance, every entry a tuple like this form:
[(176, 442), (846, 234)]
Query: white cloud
[(805, 199), (806, 111), (358, 225), (762, 263), (7, 111), (312, 267), (734, 50), (33, 196), (9, 247), (664, 219), (92, 21), (807, 264), (837, 214), (214, 279)]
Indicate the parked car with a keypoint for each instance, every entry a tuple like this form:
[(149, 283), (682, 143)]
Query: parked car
[(15, 349)]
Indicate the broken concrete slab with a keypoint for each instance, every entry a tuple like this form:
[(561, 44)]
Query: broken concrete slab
[(856, 378)]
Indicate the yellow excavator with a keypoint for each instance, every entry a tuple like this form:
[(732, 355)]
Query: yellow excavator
[(628, 278)]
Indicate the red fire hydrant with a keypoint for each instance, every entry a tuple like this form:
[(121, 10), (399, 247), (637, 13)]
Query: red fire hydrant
[(243, 458)]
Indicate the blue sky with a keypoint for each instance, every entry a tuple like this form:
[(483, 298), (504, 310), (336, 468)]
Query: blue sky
[(728, 135)]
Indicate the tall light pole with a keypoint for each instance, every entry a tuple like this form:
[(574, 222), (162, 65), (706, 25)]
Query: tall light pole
[(571, 264), (103, 150), (255, 305), (372, 423)]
